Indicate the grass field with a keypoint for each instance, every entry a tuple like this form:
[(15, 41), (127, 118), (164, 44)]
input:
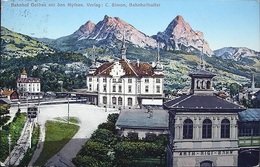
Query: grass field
[(74, 120), (57, 136)]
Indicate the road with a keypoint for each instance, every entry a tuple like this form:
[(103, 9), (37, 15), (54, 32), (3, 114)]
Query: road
[(90, 117)]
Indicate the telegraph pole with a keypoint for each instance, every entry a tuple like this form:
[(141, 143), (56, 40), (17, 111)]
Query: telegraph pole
[(68, 110)]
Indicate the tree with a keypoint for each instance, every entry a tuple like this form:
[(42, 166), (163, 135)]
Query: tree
[(4, 110)]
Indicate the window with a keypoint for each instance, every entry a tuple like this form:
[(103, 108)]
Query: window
[(206, 164), (114, 88), (208, 84), (104, 100), (150, 137), (114, 80), (146, 89), (158, 80), (197, 84), (252, 130), (207, 129), (129, 89), (113, 100), (120, 100), (104, 79), (97, 87), (105, 88), (188, 129), (90, 87), (129, 80), (146, 80), (119, 80), (129, 101), (119, 88), (133, 136), (158, 89), (90, 79), (225, 128)]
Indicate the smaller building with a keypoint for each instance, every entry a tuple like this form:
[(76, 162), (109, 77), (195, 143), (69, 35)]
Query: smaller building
[(249, 137), (10, 94), (29, 87), (142, 123), (4, 101)]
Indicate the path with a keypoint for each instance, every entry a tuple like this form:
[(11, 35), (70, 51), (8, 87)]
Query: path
[(90, 117)]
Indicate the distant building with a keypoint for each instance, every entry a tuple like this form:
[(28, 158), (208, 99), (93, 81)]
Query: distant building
[(142, 123), (28, 87), (125, 84), (249, 135), (5, 101), (202, 126), (10, 94)]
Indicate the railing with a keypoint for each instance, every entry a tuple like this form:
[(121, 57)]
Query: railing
[(248, 141)]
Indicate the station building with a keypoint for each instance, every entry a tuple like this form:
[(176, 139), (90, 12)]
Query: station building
[(125, 84), (203, 128)]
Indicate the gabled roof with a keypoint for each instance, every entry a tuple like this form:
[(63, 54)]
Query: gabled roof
[(130, 68), (252, 114), (28, 80), (201, 102), (4, 101), (139, 119), (7, 92)]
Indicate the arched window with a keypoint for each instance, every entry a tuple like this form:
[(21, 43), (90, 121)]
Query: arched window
[(202, 84), (104, 100), (130, 101), (197, 84), (208, 85), (187, 129), (225, 128), (207, 129), (119, 100), (113, 100), (206, 164)]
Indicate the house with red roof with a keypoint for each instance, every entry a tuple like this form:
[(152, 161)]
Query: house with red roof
[(28, 87), (126, 84)]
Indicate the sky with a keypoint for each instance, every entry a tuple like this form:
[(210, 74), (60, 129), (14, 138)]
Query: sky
[(224, 23)]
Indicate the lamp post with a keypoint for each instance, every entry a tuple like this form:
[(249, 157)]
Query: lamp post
[(18, 105), (68, 110), (9, 148)]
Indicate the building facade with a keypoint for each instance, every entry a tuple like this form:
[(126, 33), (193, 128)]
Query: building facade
[(142, 123), (125, 84), (202, 126), (28, 87)]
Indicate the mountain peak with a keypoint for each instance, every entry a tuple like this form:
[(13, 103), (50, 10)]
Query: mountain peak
[(85, 29), (179, 18), (180, 36)]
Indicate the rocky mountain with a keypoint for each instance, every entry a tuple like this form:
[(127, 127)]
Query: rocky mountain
[(180, 47), (107, 32), (113, 27), (18, 45), (238, 54), (180, 36)]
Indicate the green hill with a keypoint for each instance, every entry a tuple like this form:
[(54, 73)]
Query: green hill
[(15, 45)]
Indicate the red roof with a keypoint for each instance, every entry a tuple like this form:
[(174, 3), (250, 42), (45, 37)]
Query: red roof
[(130, 69), (28, 80)]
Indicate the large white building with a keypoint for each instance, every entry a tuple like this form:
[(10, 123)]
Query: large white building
[(28, 86), (125, 84)]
